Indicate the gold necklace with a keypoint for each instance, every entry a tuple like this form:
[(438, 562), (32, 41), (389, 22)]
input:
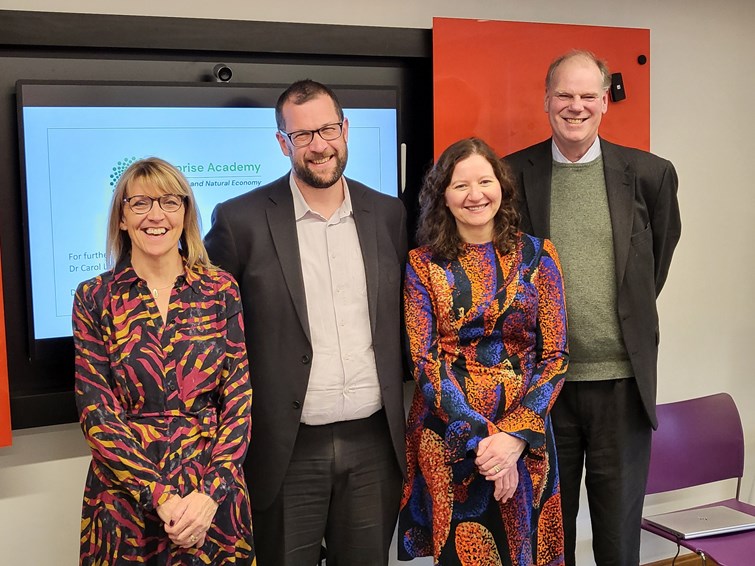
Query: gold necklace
[(155, 290)]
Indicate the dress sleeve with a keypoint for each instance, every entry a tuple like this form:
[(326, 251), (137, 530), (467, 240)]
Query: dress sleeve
[(235, 400), (115, 450), (435, 378), (527, 421)]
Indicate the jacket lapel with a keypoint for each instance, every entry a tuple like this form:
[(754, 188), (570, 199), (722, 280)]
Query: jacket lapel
[(537, 190), (282, 224), (620, 200), (364, 218)]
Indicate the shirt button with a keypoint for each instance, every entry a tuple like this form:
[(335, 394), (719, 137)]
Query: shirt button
[(172, 386), (305, 359), (296, 405)]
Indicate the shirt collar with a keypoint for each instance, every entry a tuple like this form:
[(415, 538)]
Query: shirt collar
[(301, 208), (124, 274), (591, 155)]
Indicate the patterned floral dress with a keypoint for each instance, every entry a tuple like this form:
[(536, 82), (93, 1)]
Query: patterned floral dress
[(165, 409), (487, 334)]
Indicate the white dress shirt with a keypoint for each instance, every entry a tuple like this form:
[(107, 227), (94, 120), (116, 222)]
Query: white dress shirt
[(343, 382), (590, 155)]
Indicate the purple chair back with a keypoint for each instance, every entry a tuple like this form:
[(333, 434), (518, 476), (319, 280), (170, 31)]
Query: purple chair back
[(698, 441)]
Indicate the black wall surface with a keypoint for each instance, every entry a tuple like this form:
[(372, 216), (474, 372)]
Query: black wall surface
[(51, 46)]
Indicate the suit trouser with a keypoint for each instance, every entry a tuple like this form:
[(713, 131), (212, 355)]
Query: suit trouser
[(602, 426), (343, 485)]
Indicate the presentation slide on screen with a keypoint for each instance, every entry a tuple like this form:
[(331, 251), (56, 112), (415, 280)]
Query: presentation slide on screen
[(74, 157)]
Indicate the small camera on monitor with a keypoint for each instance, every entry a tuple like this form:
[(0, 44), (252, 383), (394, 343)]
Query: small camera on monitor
[(222, 73)]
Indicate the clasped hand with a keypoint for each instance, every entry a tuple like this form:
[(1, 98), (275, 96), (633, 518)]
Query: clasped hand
[(496, 459), (188, 518)]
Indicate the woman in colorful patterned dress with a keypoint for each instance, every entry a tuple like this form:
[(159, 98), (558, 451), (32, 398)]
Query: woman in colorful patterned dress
[(162, 387), (486, 322)]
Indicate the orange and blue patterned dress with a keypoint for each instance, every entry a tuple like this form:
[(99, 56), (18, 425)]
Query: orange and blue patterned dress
[(487, 334), (165, 408)]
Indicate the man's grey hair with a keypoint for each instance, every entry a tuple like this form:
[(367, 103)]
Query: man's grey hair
[(600, 63)]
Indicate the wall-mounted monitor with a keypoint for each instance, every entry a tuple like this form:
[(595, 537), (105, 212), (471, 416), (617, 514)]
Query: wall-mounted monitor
[(77, 138)]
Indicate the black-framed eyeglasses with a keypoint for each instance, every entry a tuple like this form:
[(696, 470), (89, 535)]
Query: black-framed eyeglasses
[(142, 204), (302, 138)]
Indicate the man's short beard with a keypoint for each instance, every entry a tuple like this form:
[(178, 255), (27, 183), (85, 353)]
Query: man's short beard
[(317, 182)]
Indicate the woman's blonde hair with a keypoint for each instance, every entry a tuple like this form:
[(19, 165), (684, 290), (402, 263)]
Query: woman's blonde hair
[(165, 179)]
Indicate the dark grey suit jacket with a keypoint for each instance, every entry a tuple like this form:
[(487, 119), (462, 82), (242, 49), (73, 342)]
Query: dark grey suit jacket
[(646, 228), (253, 236)]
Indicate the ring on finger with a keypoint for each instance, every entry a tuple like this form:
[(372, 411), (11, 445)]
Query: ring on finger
[(193, 538), (496, 469)]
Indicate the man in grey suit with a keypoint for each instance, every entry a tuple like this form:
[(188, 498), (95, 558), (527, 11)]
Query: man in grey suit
[(612, 213), (319, 260)]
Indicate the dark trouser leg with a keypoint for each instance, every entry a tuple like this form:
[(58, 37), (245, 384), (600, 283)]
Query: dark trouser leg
[(268, 534), (290, 531), (570, 448), (366, 494), (343, 484), (617, 462)]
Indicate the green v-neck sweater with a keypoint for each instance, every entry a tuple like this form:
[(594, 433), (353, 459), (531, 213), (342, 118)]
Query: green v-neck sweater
[(581, 230)]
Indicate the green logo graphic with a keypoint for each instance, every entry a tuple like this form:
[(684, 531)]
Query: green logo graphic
[(119, 169)]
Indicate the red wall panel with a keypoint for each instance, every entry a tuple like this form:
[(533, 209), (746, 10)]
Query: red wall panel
[(489, 80)]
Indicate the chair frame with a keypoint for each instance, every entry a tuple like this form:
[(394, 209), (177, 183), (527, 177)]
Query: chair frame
[(686, 429)]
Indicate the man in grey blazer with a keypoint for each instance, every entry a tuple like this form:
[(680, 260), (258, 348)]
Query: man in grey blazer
[(319, 260), (613, 215)]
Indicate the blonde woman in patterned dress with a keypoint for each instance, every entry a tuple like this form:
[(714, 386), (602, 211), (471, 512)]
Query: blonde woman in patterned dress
[(486, 322), (162, 387)]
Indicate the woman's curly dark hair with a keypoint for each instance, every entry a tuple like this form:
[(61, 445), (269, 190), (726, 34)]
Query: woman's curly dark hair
[(437, 226)]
